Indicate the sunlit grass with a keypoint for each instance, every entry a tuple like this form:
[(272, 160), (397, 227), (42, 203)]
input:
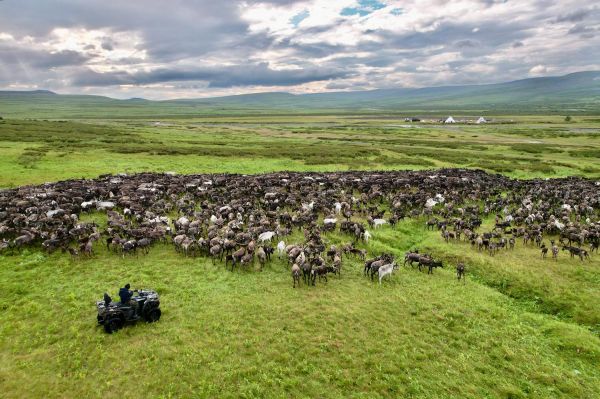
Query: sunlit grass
[(520, 326), (250, 334), (40, 151)]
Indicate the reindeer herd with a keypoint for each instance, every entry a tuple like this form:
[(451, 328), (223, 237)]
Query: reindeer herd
[(530, 222), (240, 220)]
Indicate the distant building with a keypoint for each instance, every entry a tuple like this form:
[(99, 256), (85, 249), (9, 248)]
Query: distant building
[(450, 120), (481, 120)]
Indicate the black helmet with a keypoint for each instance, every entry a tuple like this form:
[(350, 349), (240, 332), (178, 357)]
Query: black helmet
[(127, 286)]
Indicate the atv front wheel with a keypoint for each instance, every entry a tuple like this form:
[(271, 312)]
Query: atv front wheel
[(153, 315), (112, 325)]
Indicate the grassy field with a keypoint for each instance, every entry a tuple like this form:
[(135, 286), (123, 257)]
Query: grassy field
[(36, 151), (521, 327)]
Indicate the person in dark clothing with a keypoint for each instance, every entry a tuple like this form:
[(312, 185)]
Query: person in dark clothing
[(126, 296)]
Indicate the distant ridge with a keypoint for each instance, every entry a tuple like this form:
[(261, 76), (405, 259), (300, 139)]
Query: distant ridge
[(574, 93), (28, 92)]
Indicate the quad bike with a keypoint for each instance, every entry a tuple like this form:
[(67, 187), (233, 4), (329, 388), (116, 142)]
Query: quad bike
[(114, 315)]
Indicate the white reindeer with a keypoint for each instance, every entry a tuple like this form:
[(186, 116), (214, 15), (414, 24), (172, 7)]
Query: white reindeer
[(86, 205), (301, 259), (105, 205), (308, 207), (366, 236), (386, 270), (266, 236), (280, 248), (378, 222)]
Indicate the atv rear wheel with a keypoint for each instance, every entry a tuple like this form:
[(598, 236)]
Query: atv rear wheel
[(153, 315), (112, 325)]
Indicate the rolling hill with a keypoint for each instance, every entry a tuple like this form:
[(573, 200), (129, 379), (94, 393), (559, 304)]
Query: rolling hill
[(577, 93)]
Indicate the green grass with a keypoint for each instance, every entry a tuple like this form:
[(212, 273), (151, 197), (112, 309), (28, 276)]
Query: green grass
[(249, 334), (520, 327), (36, 151)]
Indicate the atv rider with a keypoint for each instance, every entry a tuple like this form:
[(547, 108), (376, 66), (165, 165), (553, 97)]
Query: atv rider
[(126, 298)]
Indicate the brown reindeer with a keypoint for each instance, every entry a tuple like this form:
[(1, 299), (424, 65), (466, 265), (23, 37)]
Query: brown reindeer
[(460, 272), (296, 274), (262, 257), (544, 250), (554, 252)]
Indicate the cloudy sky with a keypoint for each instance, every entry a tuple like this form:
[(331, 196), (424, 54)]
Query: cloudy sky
[(197, 48)]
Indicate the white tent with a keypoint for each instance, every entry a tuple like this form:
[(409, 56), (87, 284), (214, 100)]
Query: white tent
[(450, 120), (481, 120)]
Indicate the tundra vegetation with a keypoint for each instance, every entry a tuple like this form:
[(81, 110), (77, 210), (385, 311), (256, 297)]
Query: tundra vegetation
[(517, 325), (37, 151)]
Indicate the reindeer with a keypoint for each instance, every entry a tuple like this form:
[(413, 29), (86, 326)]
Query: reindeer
[(296, 274), (554, 251), (386, 270), (262, 257), (460, 272), (544, 250)]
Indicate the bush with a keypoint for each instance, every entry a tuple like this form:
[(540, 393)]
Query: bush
[(31, 156)]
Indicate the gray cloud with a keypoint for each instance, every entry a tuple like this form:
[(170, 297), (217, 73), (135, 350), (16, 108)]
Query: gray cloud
[(231, 76), (466, 43), (23, 57), (107, 44), (582, 30), (493, 34), (190, 47), (575, 16), (278, 2)]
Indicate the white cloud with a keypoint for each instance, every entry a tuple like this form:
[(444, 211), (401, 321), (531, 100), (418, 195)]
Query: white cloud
[(6, 36), (538, 70), (408, 43)]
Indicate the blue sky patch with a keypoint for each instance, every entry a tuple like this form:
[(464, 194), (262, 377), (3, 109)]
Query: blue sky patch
[(301, 16), (372, 4), (354, 11), (397, 11), (364, 7)]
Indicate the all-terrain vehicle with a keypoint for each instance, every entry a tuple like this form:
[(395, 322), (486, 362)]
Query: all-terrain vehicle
[(114, 315)]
